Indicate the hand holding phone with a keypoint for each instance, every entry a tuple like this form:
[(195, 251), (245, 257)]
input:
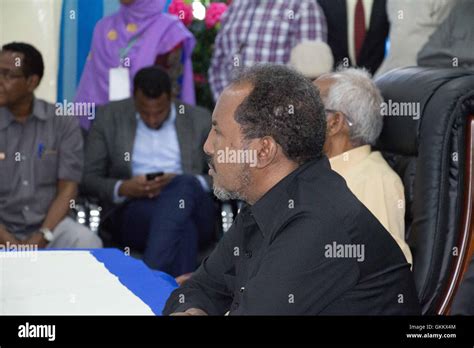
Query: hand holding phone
[(152, 176), (148, 185)]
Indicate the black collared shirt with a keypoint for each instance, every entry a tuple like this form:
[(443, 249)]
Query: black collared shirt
[(307, 247)]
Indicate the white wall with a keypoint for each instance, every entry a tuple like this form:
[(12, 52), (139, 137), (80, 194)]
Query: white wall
[(35, 22)]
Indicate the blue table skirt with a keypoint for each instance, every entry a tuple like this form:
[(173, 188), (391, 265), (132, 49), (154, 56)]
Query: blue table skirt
[(152, 287)]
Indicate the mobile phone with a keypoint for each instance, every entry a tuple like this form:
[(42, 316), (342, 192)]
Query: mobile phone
[(152, 176)]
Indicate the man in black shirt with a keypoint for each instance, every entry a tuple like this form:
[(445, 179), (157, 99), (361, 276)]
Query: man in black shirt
[(303, 244)]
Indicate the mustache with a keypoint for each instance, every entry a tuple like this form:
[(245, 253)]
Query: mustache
[(210, 161)]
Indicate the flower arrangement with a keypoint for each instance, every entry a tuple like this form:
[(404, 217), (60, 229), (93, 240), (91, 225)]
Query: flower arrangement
[(214, 14), (182, 10), (205, 31)]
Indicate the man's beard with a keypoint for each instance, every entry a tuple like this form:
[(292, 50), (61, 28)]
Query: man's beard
[(225, 195), (244, 181)]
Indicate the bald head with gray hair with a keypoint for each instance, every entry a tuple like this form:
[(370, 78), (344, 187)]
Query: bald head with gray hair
[(353, 93)]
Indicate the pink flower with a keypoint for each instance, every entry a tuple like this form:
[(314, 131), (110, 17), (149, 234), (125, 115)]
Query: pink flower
[(214, 14), (182, 10)]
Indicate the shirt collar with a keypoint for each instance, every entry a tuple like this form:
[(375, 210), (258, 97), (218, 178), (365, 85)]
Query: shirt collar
[(39, 111), (345, 161), (263, 211), (169, 120), (5, 118)]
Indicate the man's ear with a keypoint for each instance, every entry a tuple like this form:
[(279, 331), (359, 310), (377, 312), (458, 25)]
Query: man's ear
[(32, 82), (335, 124), (266, 151)]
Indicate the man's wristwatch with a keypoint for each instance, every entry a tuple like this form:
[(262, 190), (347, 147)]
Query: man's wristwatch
[(47, 234)]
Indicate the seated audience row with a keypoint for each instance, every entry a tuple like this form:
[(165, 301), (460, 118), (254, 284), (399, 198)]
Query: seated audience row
[(144, 160)]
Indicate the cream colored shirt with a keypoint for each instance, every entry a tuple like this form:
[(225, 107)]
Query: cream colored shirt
[(378, 187)]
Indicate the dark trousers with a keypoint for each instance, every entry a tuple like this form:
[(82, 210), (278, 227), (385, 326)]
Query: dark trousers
[(170, 227)]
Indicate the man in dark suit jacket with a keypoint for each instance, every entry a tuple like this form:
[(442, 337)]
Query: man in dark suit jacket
[(352, 45), (144, 159)]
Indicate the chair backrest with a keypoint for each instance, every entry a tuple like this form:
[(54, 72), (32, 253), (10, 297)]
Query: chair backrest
[(427, 139)]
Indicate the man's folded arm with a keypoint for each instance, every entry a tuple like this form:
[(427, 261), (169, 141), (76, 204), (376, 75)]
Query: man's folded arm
[(206, 289)]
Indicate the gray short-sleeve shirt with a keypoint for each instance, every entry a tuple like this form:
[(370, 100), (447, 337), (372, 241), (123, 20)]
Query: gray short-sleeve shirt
[(33, 156)]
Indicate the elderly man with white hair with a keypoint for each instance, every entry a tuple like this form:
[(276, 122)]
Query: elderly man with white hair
[(354, 123)]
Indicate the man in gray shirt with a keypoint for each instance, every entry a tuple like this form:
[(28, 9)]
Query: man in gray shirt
[(41, 160)]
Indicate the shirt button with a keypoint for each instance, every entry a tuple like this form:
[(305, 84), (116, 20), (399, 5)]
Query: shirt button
[(26, 208), (25, 182), (248, 254), (242, 289)]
